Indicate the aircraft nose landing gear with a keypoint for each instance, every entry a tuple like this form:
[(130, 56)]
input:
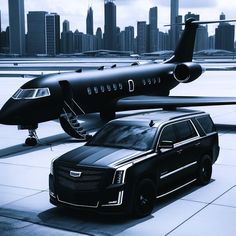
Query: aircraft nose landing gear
[(32, 140)]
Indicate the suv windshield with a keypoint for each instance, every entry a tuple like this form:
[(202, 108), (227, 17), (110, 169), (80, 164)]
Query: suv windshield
[(124, 136)]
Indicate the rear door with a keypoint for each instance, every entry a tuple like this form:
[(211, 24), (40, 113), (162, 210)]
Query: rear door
[(177, 164), (188, 142)]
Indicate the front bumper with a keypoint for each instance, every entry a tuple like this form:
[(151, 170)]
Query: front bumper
[(113, 199)]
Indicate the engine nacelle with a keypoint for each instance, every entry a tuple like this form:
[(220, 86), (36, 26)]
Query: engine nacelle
[(187, 72)]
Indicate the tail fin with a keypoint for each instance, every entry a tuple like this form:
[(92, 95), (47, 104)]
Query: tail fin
[(185, 47)]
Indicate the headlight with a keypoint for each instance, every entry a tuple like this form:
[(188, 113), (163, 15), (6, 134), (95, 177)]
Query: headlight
[(119, 176)]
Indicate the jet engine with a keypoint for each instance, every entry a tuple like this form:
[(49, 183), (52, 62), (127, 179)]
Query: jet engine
[(187, 72)]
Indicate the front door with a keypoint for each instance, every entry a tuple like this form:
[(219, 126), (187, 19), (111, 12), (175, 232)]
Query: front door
[(188, 140), (169, 160)]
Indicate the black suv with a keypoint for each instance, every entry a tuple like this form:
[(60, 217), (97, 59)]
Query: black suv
[(133, 160)]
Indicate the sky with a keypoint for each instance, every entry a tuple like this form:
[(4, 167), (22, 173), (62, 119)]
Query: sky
[(128, 11)]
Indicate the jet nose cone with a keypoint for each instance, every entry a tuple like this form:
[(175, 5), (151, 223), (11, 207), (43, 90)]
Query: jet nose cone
[(7, 116), (3, 118)]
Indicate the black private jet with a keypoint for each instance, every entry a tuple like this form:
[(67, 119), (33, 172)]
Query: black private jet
[(68, 95)]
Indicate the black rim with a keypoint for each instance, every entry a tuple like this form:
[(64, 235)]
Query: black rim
[(145, 201), (206, 171)]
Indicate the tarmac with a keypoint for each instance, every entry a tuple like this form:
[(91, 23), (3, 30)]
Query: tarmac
[(193, 210)]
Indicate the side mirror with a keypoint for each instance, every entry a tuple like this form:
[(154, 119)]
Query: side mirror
[(166, 144)]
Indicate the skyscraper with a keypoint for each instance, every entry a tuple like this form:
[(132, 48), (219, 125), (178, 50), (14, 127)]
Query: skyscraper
[(99, 38), (201, 42), (174, 28), (17, 26), (191, 15), (211, 42), (163, 41), (77, 47), (179, 29), (129, 38), (153, 37), (36, 37), (67, 42), (0, 22), (52, 34), (66, 26), (83, 42), (224, 35), (110, 33), (67, 39), (222, 16), (142, 37), (122, 41), (89, 22), (4, 41)]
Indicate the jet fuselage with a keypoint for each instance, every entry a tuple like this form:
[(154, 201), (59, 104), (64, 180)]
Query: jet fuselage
[(93, 91)]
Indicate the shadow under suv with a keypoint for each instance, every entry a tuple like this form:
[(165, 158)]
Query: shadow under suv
[(132, 160)]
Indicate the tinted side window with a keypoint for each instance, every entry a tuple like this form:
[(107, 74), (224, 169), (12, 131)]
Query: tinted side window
[(207, 124), (184, 130), (168, 134)]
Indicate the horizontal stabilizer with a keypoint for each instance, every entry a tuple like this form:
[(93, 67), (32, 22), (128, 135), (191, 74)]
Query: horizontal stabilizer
[(195, 22)]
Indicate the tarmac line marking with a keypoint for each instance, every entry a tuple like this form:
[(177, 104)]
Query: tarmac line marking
[(208, 204)]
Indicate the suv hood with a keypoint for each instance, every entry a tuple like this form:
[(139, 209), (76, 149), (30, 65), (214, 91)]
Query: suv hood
[(98, 156)]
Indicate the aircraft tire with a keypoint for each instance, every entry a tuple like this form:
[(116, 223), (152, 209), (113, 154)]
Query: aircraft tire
[(31, 142)]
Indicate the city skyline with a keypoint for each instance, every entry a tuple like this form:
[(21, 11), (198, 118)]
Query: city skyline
[(44, 37), (76, 13)]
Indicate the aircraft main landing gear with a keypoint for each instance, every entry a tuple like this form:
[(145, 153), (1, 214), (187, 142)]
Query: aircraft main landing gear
[(32, 139)]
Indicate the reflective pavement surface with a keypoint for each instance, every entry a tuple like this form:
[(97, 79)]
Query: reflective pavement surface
[(24, 201)]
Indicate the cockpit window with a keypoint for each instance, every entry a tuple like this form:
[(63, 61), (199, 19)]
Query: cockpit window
[(31, 93), (42, 92)]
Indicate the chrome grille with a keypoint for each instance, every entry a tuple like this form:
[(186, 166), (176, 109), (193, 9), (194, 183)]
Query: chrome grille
[(91, 179)]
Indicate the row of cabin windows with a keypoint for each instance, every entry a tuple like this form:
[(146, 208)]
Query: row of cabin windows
[(104, 88), (119, 86), (151, 81)]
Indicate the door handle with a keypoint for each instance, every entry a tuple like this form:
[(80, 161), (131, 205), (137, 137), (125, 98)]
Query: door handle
[(197, 144), (179, 151)]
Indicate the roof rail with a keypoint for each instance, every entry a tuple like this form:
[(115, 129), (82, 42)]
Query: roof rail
[(186, 115)]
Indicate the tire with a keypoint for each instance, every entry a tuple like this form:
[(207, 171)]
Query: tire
[(144, 198), (31, 142), (204, 170)]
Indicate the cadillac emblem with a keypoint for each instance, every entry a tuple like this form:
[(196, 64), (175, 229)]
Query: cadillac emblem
[(75, 174)]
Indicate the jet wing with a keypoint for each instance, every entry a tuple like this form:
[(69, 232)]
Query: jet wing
[(151, 102)]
